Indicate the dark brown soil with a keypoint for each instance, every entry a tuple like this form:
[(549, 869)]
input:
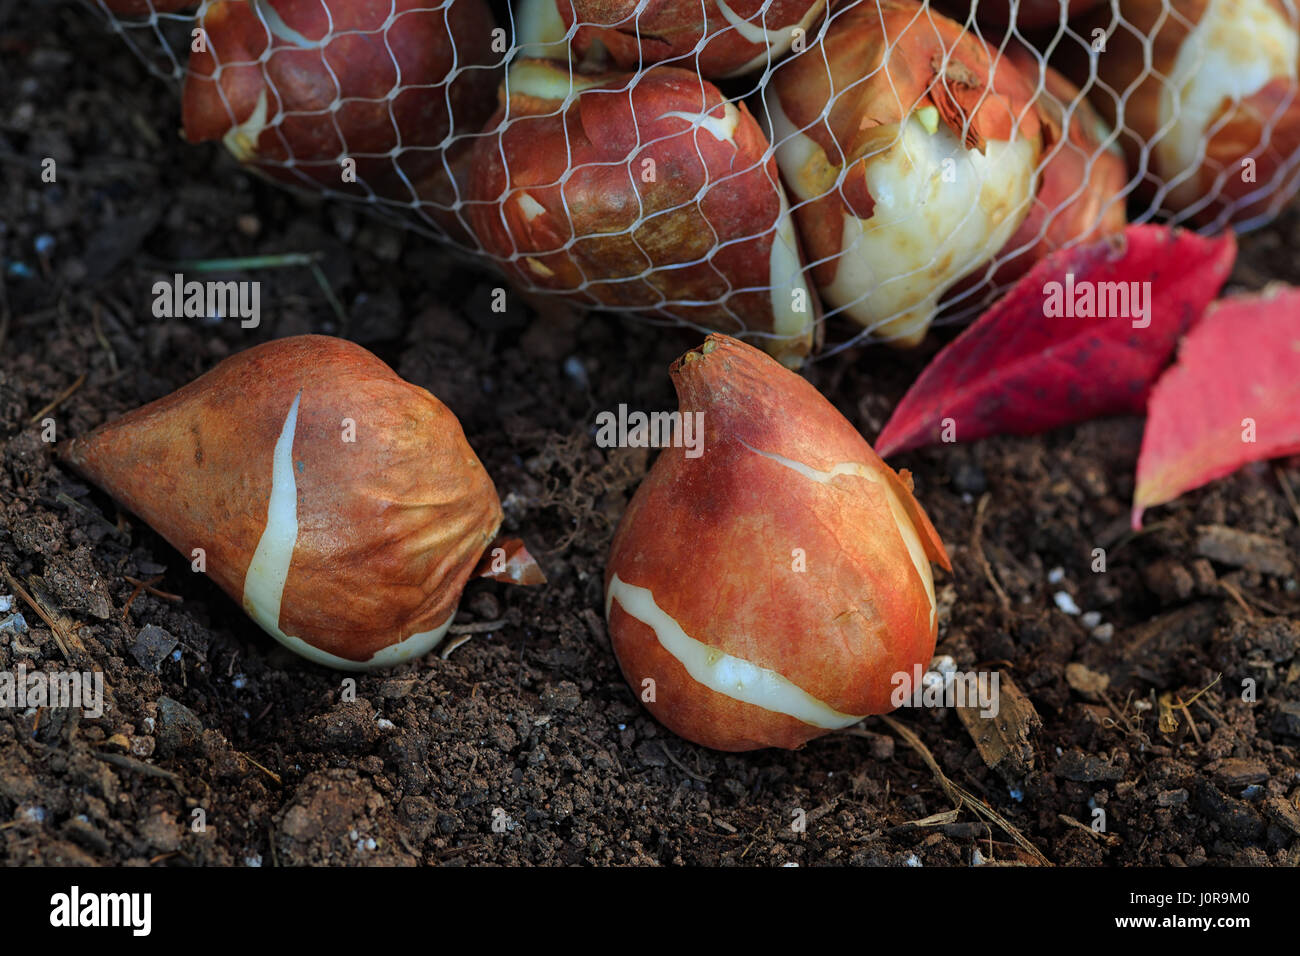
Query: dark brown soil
[(531, 723)]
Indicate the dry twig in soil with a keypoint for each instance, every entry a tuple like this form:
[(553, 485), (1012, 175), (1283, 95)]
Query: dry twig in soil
[(59, 399), (977, 545), (959, 795)]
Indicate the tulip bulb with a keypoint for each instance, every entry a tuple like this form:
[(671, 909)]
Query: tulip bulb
[(1081, 178), (910, 152), (540, 31), (338, 504), (301, 89), (1214, 113), (647, 192), (717, 38), (768, 590)]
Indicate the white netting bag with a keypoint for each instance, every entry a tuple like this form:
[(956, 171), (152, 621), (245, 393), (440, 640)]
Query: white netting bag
[(773, 168)]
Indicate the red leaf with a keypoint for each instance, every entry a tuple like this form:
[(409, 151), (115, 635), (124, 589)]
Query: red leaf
[(1024, 367), (1242, 361)]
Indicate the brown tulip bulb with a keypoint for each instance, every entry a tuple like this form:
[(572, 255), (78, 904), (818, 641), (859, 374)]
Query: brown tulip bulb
[(768, 586), (1207, 96), (910, 151), (646, 192), (352, 95), (1082, 178), (338, 504)]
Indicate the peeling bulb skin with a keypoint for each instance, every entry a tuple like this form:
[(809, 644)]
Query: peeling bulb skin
[(339, 505), (773, 586), (924, 234), (1081, 181), (1220, 90), (911, 150), (1237, 50)]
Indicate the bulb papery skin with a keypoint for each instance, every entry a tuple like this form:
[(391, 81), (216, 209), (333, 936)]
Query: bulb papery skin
[(646, 192), (1214, 114), (910, 152), (769, 590), (340, 506), (1082, 177)]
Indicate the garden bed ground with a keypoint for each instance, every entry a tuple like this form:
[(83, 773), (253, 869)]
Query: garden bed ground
[(532, 721)]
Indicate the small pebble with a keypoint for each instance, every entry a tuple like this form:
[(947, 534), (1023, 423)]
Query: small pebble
[(15, 624), (1104, 632), (44, 244), (179, 729), (576, 371), (152, 646), (6, 603), (1056, 575), (1090, 619), (939, 673), (944, 664), (968, 479), (1065, 602)]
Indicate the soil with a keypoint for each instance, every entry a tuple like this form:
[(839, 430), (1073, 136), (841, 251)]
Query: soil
[(530, 724)]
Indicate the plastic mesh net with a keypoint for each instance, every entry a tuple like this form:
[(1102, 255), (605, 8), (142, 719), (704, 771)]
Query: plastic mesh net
[(783, 169)]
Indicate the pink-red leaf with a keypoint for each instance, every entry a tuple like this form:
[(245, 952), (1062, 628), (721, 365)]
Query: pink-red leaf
[(1023, 367), (1233, 397)]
